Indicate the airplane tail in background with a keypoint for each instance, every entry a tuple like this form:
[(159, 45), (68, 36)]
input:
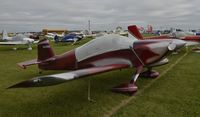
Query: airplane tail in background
[(133, 30), (44, 50), (5, 35)]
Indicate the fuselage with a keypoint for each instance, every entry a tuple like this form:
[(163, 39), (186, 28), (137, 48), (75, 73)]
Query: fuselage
[(112, 49), (21, 39)]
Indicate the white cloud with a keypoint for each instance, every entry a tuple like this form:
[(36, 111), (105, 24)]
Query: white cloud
[(26, 15)]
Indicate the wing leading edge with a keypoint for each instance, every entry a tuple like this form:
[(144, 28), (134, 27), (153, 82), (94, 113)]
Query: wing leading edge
[(64, 77)]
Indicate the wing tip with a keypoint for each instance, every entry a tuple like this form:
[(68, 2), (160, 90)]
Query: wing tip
[(21, 65)]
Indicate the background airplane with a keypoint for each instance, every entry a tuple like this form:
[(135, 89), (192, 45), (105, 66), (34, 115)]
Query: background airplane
[(19, 39), (52, 35), (103, 54), (188, 37), (71, 37), (181, 34)]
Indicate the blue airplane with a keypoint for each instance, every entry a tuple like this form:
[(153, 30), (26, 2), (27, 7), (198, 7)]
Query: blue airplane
[(71, 37)]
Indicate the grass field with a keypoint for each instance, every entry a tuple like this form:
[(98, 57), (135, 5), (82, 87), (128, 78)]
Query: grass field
[(175, 93)]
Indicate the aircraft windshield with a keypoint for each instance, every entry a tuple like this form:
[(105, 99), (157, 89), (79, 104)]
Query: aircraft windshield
[(102, 45)]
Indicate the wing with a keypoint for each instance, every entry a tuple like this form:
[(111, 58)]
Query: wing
[(191, 40), (191, 43), (64, 77)]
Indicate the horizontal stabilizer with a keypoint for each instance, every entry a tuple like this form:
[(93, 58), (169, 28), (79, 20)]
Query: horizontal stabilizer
[(28, 63), (64, 77)]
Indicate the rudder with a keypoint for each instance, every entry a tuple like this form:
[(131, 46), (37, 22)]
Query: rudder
[(44, 50), (133, 30)]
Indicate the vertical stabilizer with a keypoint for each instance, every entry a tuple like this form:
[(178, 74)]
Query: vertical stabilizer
[(133, 30), (5, 35), (44, 50)]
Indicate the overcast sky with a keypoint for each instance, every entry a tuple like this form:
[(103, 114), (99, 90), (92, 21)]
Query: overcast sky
[(34, 15)]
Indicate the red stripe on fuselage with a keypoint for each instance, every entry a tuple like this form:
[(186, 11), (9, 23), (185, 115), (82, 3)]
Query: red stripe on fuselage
[(192, 38)]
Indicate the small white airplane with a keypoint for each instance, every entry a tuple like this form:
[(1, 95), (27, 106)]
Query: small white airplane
[(52, 35), (181, 34), (19, 39)]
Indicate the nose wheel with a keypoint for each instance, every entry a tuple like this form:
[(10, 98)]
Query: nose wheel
[(30, 48), (14, 49), (130, 88)]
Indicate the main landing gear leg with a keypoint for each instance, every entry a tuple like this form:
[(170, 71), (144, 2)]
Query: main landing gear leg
[(129, 88), (14, 48), (29, 47)]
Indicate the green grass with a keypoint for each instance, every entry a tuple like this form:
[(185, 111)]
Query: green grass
[(148, 35), (174, 94)]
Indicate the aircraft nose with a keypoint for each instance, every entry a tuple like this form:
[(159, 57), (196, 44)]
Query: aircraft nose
[(23, 84), (179, 43)]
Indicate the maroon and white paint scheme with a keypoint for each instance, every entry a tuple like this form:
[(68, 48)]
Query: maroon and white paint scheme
[(100, 55), (189, 40)]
